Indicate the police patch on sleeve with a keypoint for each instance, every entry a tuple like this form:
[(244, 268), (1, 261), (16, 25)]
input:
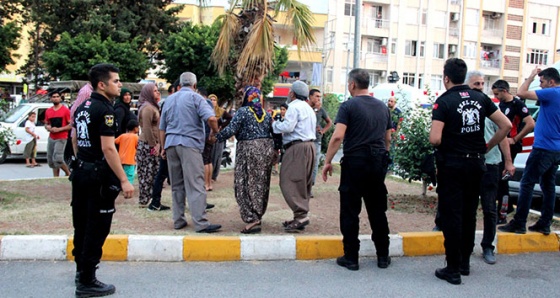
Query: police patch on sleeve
[(109, 120)]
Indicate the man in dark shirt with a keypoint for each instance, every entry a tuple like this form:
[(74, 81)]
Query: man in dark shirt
[(97, 179), (523, 123), (458, 133), (364, 123)]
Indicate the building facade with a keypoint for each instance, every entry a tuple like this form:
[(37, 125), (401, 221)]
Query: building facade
[(502, 38)]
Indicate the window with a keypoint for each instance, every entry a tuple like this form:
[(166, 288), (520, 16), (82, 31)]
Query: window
[(422, 46), (393, 45), (408, 78), (541, 27), (439, 51), (329, 75), (424, 17), (349, 7), (420, 81), (410, 47), (436, 82), (469, 50), (491, 23), (538, 57), (373, 45), (374, 79)]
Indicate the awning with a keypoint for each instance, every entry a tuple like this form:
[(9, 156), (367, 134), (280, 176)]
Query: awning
[(281, 91)]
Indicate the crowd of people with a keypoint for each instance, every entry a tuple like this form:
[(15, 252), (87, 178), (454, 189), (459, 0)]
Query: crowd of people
[(180, 140)]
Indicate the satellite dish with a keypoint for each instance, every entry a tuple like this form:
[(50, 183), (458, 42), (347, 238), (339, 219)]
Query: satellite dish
[(160, 85)]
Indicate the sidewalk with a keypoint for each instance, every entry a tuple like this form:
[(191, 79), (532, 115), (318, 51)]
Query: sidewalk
[(252, 248)]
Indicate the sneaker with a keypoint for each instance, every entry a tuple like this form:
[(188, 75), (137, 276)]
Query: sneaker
[(209, 206), (350, 265), (160, 208), (538, 227), (94, 289), (449, 275), (513, 227), (383, 262), (488, 256)]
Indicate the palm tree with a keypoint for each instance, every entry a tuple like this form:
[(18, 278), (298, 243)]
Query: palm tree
[(246, 42)]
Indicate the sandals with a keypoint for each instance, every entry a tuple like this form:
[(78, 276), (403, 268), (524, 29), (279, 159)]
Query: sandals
[(252, 230), (295, 225)]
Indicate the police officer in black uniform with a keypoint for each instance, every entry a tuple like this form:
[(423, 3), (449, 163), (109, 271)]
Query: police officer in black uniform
[(458, 133), (97, 178)]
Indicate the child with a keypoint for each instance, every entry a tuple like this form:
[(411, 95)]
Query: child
[(31, 141), (128, 142)]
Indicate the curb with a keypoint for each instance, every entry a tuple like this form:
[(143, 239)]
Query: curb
[(255, 248)]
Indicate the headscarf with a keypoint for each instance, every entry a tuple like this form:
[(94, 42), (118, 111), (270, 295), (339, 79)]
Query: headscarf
[(219, 111), (147, 97), (252, 99), (120, 98)]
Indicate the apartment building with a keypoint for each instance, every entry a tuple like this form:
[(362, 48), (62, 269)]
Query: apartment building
[(502, 38)]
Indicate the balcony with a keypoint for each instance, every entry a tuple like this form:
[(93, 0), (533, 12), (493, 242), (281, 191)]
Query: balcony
[(374, 60), (376, 27), (491, 67)]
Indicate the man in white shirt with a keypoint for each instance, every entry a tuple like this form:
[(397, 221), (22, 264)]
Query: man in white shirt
[(298, 134)]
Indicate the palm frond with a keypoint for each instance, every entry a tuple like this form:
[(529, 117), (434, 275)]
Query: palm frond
[(301, 18), (220, 55), (256, 58)]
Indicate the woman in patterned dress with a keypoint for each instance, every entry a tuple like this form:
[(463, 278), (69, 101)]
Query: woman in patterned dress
[(148, 141), (251, 126)]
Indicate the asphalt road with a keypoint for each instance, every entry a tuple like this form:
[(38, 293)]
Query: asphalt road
[(15, 169), (525, 275)]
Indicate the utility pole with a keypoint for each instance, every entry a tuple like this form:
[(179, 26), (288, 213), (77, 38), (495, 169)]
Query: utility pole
[(357, 33)]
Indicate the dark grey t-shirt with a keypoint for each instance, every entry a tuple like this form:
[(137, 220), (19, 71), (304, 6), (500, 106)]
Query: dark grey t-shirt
[(367, 120)]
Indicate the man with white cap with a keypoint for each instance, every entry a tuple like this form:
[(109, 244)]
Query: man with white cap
[(298, 129)]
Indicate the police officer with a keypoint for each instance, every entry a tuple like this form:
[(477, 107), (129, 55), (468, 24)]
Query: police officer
[(458, 133), (97, 178), (364, 124)]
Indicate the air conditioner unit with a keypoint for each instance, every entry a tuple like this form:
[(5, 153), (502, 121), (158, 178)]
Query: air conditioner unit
[(384, 41), (455, 16), (453, 49), (383, 74)]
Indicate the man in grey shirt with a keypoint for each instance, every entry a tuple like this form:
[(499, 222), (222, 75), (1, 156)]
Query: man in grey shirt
[(182, 134), (315, 103)]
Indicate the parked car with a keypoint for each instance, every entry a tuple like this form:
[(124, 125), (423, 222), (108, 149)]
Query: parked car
[(15, 120)]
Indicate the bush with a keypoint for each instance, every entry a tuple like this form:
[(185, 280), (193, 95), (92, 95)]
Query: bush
[(413, 143)]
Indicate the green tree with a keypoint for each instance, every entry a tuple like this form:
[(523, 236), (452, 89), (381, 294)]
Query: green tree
[(10, 31), (190, 50), (72, 57), (246, 42), (331, 105), (144, 22)]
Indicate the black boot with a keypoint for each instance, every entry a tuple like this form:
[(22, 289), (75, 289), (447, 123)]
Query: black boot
[(450, 275), (89, 286)]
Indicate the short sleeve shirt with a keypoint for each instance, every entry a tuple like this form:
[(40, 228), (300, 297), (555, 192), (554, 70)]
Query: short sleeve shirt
[(367, 120), (93, 119), (547, 128), (58, 118), (463, 111), (321, 115), (396, 117), (516, 111)]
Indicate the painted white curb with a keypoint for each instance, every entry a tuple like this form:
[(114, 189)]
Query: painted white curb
[(367, 248), (155, 248), (33, 247), (268, 248)]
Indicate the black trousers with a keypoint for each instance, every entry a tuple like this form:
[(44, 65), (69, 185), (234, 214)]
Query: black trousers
[(363, 177), (92, 213), (503, 185), (458, 191)]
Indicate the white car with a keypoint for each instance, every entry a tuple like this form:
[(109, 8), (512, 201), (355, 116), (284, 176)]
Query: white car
[(15, 120)]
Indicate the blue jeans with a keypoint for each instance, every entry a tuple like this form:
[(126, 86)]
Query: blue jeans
[(541, 166), (488, 191)]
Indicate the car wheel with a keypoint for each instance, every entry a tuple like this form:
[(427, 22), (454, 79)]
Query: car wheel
[(4, 154)]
